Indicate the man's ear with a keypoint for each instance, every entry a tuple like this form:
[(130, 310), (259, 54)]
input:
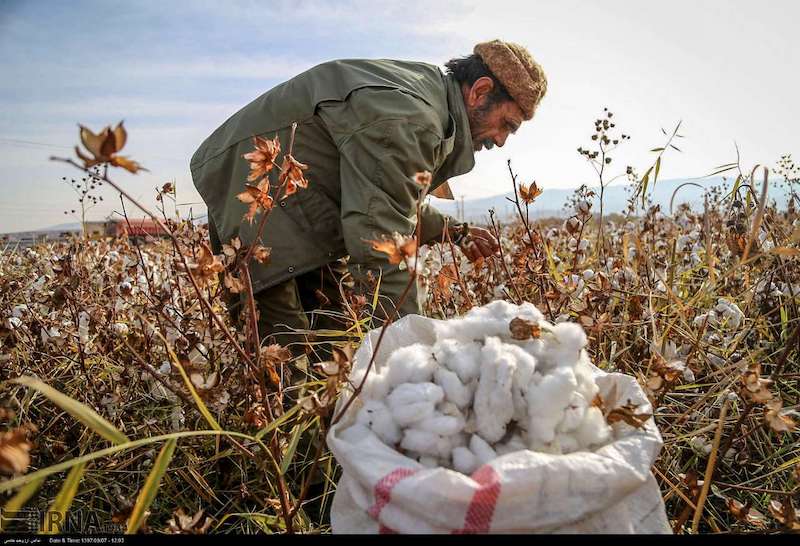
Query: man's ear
[(479, 92)]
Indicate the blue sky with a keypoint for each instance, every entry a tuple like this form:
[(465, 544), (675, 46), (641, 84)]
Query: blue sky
[(175, 70)]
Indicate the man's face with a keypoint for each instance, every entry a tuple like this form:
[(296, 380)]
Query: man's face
[(490, 125)]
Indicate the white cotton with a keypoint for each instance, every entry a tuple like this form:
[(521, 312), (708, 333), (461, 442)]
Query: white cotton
[(411, 364), (593, 430), (494, 403), (443, 425), (482, 450), (377, 385), (490, 320), (547, 401), (413, 402), (409, 393), (464, 460), (477, 393), (454, 390), (377, 416), (585, 378), (523, 373), (573, 414), (83, 327), (563, 350), (463, 358), (426, 443), (120, 329), (406, 415)]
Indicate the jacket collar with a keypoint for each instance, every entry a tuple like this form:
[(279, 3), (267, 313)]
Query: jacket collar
[(462, 159)]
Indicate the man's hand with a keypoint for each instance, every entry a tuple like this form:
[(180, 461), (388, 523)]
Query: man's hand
[(479, 243)]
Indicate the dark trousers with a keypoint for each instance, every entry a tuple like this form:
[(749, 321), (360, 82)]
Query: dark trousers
[(305, 310)]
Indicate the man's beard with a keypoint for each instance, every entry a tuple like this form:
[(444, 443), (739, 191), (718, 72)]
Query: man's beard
[(477, 124)]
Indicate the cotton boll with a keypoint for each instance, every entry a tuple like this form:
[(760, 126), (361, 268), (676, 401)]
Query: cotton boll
[(573, 414), (376, 386), (523, 372), (449, 408), (413, 402), (377, 416), (426, 443), (409, 393), (546, 403), (464, 460), (463, 358), (593, 430), (482, 450), (443, 425), (409, 414), (412, 364), (465, 329), (564, 350), (494, 403), (585, 377), (454, 390)]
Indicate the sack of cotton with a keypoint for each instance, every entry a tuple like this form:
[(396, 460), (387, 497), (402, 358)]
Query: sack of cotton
[(494, 422)]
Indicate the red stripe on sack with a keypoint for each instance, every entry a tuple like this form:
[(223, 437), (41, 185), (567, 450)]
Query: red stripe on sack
[(481, 507), (383, 493), (383, 530)]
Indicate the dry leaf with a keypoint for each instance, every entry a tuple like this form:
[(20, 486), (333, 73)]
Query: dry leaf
[(292, 175), (104, 146), (262, 158), (784, 513), (207, 266), (273, 356), (746, 514), (257, 197), (397, 248), (776, 420), (423, 178), (233, 283), (183, 524), (529, 193), (627, 413), (15, 451), (786, 251), (262, 254), (522, 329)]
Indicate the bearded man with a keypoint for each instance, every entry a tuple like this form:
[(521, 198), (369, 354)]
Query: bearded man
[(364, 128)]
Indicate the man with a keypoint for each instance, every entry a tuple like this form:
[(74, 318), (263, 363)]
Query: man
[(364, 128)]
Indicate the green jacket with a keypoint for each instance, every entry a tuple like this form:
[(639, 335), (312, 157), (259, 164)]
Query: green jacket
[(365, 127)]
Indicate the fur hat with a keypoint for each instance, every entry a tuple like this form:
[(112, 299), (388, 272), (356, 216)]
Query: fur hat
[(522, 77)]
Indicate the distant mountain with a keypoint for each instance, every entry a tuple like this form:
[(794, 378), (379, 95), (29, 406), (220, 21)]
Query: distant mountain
[(551, 202), (71, 226)]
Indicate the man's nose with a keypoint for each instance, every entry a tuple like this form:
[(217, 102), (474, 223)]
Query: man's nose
[(500, 140)]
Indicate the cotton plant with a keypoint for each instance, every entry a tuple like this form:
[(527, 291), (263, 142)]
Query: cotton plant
[(497, 380)]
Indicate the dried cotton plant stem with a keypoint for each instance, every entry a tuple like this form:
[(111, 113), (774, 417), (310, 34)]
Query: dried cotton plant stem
[(710, 467)]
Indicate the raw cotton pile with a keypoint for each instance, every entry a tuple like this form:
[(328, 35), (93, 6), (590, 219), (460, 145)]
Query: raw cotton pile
[(498, 380)]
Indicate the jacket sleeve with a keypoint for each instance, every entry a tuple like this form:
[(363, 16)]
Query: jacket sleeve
[(433, 223), (379, 197)]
